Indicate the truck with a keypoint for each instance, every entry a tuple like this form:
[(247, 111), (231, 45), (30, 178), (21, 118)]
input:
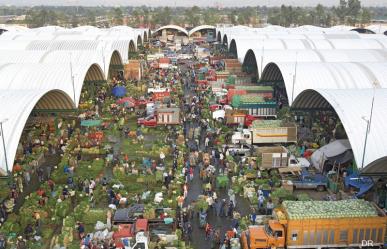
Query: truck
[(161, 116), (138, 235), (304, 179), (320, 224), (256, 105), (267, 132), (274, 157), (232, 117)]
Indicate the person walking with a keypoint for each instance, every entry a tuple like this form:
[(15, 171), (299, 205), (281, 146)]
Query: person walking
[(207, 230), (230, 209), (81, 230), (40, 174), (269, 207)]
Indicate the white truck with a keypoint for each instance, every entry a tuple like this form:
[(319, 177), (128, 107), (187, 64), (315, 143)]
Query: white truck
[(140, 242), (158, 89), (279, 157), (220, 114), (261, 134)]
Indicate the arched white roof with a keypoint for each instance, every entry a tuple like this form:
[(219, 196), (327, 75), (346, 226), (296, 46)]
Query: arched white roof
[(16, 106), (9, 27), (175, 27), (49, 76), (352, 106), (264, 57), (198, 28), (20, 56), (13, 45), (378, 29), (321, 75)]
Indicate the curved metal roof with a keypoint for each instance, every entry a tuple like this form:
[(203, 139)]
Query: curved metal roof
[(353, 106), (104, 58), (175, 27), (198, 28), (318, 75), (49, 76), (16, 108), (264, 57)]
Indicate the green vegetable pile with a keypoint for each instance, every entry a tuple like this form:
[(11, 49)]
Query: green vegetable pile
[(300, 210), (267, 124), (255, 88)]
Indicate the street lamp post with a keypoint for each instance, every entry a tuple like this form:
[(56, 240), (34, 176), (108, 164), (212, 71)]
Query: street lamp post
[(294, 76), (365, 141), (368, 120), (5, 150)]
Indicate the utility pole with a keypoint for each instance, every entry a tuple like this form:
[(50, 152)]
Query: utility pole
[(294, 76), (4, 148), (262, 54), (72, 79), (369, 122)]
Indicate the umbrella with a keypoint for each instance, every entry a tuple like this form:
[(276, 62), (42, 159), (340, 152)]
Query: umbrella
[(119, 91), (90, 123)]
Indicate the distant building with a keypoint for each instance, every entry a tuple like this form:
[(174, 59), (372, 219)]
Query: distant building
[(12, 18)]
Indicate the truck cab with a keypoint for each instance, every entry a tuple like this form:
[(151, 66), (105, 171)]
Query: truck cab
[(270, 235), (249, 120), (141, 241), (242, 137)]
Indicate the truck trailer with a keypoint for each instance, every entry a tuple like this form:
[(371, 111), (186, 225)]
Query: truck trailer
[(267, 132), (320, 224)]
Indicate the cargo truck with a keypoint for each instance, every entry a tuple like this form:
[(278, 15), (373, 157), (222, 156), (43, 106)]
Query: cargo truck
[(267, 132), (255, 104), (320, 224)]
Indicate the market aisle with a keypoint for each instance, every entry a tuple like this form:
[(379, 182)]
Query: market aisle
[(221, 224), (49, 162)]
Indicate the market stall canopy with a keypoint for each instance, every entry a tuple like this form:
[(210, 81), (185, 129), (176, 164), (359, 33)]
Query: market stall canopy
[(128, 101), (337, 152), (91, 123), (119, 91)]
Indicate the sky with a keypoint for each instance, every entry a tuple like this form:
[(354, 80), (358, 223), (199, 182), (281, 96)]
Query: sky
[(186, 3)]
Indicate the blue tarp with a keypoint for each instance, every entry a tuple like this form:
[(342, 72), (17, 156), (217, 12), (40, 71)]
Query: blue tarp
[(119, 91), (363, 183)]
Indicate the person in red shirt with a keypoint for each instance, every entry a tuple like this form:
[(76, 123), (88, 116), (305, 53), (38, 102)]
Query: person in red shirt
[(51, 184), (41, 192)]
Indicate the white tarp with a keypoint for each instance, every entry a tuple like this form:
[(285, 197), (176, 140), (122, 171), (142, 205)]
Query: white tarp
[(336, 148)]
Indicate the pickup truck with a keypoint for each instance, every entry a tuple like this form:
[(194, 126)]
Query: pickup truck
[(135, 212), (307, 180)]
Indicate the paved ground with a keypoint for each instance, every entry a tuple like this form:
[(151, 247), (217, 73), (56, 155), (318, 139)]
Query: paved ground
[(195, 189)]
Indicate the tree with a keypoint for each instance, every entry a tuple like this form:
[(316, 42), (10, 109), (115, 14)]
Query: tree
[(365, 17), (211, 17), (320, 15), (193, 16), (163, 17), (90, 16), (117, 16)]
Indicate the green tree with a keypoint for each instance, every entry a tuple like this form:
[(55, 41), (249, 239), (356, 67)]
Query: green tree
[(117, 16), (365, 17), (90, 16), (163, 17), (193, 16)]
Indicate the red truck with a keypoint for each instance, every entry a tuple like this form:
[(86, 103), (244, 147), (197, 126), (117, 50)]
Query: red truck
[(149, 121)]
